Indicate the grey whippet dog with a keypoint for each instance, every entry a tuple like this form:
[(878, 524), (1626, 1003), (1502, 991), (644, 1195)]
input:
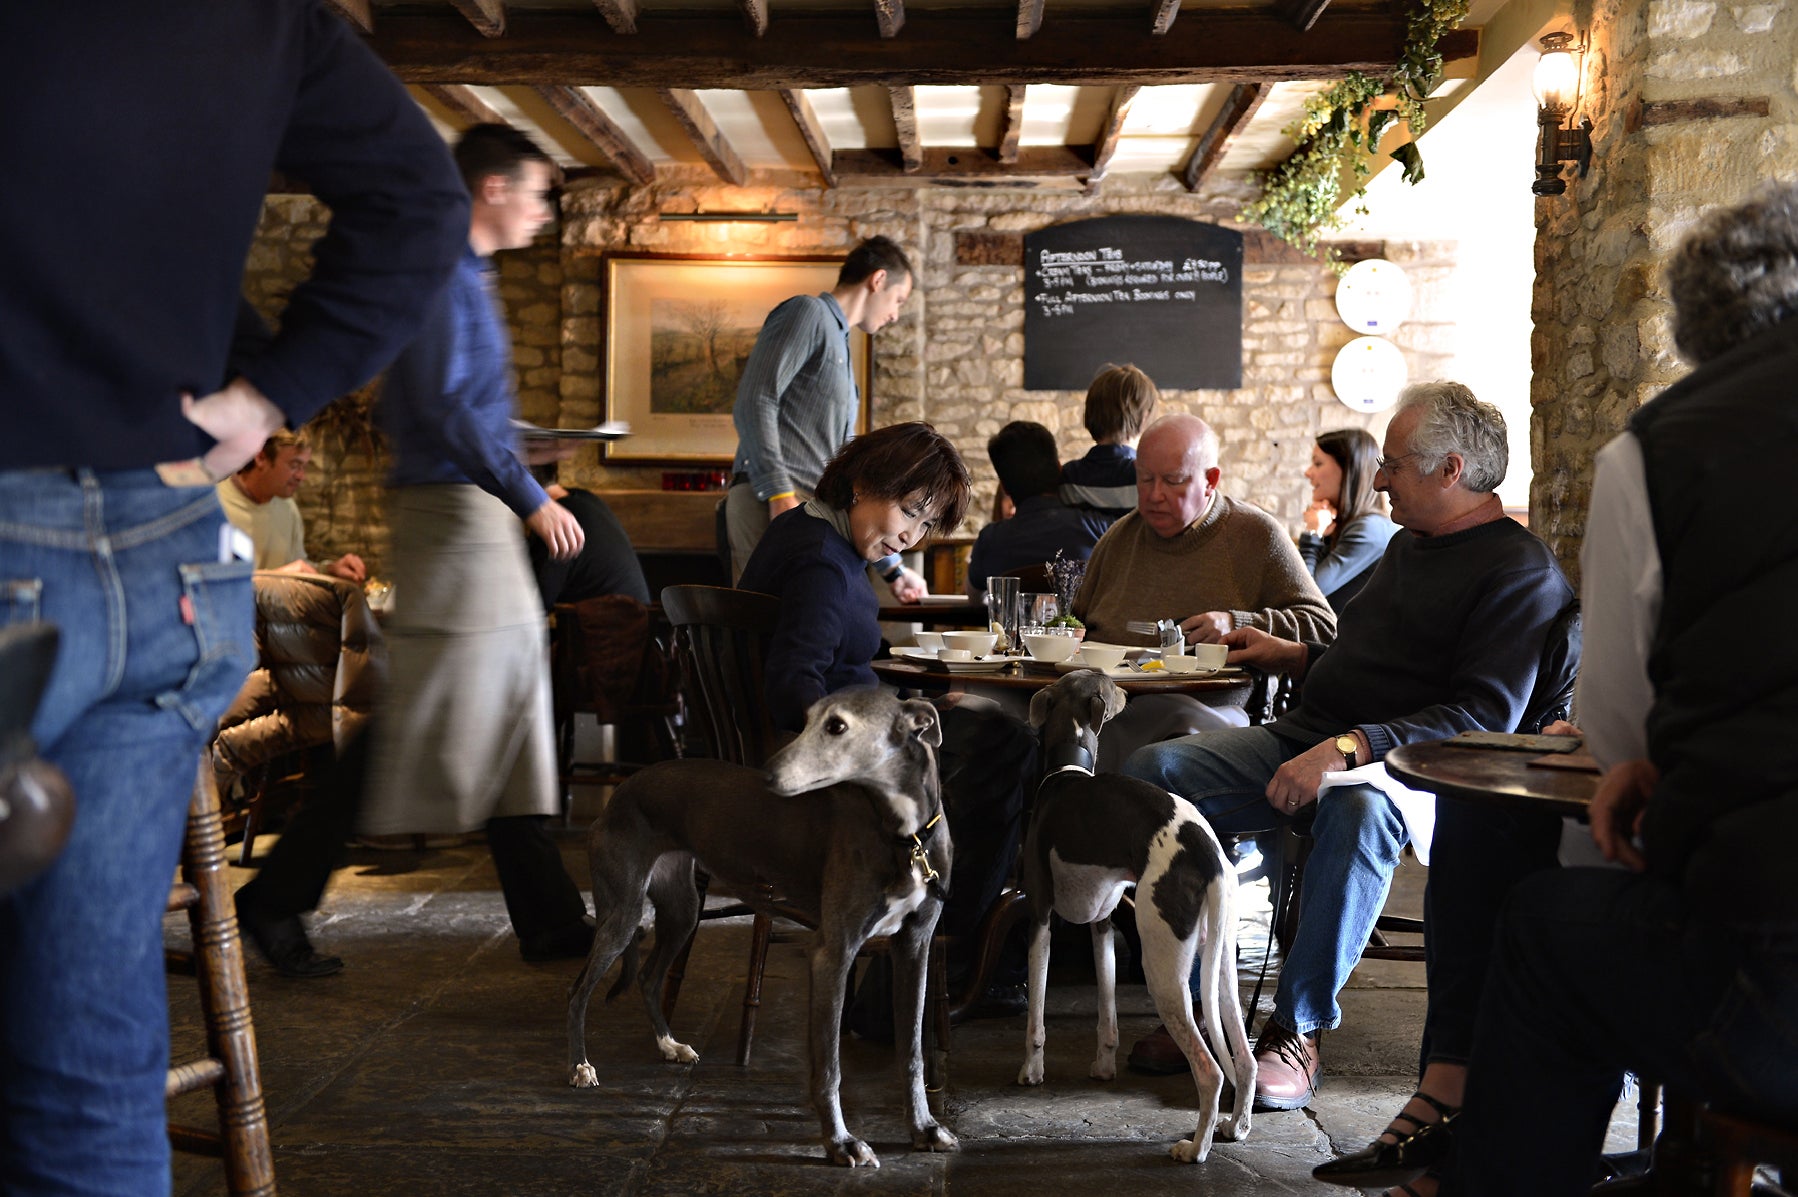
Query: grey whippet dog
[(846, 823), (1092, 837)]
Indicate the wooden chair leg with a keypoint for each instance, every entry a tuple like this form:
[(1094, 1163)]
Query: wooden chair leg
[(759, 933), (1008, 910), (1648, 1108), (232, 1068)]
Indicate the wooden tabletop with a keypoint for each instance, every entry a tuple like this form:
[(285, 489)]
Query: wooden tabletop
[(1229, 689), (959, 614), (1501, 776)]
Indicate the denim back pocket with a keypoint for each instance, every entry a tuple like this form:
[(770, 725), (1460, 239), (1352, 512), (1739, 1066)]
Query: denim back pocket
[(218, 603), (20, 599)]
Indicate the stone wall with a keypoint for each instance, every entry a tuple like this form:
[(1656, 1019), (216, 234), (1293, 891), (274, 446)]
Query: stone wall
[(1693, 104), (954, 358)]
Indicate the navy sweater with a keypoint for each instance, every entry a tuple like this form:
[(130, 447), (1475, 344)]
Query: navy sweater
[(142, 145), (829, 618), (1446, 637)]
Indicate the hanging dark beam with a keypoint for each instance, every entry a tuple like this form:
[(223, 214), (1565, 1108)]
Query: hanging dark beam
[(621, 15), (755, 15), (1244, 98), (890, 16), (464, 103), (575, 108), (356, 12), (1030, 18), (944, 48), (1300, 14), (905, 124), (812, 131), (713, 145), (1107, 144), (1161, 16), (487, 16), (961, 163), (1013, 127)]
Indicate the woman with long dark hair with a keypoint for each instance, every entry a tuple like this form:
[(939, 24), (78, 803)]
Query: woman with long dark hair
[(1346, 527)]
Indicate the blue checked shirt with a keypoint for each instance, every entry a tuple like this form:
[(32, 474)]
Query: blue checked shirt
[(797, 401)]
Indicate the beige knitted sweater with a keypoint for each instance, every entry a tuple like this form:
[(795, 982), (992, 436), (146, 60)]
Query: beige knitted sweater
[(1234, 558)]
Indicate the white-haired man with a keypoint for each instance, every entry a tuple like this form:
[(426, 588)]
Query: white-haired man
[(1446, 637)]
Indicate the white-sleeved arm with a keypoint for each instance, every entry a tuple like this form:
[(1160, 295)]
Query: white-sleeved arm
[(1620, 604)]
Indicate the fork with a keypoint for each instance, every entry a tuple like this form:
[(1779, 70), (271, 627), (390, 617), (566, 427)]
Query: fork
[(1141, 627)]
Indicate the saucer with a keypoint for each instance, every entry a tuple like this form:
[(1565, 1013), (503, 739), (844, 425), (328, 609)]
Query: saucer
[(977, 665)]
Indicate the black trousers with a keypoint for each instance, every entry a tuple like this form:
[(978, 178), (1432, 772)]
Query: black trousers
[(541, 898), (1600, 970)]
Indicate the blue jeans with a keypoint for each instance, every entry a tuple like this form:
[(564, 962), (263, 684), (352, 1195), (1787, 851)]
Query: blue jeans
[(156, 639), (1358, 832)]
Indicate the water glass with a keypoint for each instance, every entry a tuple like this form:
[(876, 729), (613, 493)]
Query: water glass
[(1041, 610), (1002, 607)]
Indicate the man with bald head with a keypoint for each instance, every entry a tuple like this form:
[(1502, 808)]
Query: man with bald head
[(1192, 553)]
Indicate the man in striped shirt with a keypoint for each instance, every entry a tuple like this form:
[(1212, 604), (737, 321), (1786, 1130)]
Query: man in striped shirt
[(797, 401)]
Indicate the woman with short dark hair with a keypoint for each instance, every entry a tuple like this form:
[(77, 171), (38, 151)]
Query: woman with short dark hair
[(1346, 526)]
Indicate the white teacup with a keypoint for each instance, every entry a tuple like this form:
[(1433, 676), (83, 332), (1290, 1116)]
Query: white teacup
[(928, 639), (955, 654), (1102, 656), (1208, 656)]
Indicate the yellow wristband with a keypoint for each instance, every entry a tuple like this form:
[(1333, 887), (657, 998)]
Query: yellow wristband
[(785, 494)]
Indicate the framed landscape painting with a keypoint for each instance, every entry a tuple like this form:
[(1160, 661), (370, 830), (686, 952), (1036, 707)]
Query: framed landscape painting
[(678, 331)]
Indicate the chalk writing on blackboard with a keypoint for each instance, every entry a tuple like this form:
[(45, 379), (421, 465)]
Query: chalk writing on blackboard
[(1162, 292)]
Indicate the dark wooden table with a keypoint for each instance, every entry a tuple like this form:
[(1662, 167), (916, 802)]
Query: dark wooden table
[(959, 614), (1495, 775), (1229, 689)]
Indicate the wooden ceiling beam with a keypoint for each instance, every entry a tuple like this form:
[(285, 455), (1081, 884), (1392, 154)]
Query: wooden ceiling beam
[(621, 15), (713, 145), (487, 16), (954, 163), (464, 103), (1107, 145), (1300, 14), (356, 12), (905, 124), (1161, 16), (1030, 18), (939, 47), (755, 15), (1239, 106), (585, 116), (890, 16), (1013, 126), (812, 130)]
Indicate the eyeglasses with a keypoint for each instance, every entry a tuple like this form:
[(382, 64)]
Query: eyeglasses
[(1386, 463)]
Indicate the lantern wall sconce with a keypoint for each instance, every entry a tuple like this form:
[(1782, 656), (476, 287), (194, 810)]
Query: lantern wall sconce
[(1556, 83)]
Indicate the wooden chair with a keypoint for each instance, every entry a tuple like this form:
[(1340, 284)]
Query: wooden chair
[(230, 1066), (1737, 1145), (610, 658), (721, 637)]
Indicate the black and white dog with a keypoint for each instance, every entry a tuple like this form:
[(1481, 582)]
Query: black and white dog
[(845, 824), (1092, 838)]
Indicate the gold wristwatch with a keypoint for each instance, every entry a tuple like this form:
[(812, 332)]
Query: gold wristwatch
[(1349, 747)]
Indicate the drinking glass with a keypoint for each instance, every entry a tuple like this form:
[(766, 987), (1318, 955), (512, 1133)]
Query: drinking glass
[(1002, 603), (1040, 610)]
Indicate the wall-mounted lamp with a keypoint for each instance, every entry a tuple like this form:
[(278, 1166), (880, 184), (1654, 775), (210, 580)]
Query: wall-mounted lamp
[(745, 217), (1556, 84)]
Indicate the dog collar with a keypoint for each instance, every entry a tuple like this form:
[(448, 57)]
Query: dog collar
[(1070, 756), (920, 859)]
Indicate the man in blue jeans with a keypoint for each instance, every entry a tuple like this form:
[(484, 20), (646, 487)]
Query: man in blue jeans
[(116, 316), (1446, 637)]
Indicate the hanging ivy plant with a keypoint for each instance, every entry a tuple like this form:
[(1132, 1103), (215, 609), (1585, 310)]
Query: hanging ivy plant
[(1341, 130)]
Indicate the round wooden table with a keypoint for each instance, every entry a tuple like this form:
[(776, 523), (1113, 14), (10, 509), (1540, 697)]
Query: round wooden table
[(935, 613), (1507, 777), (1228, 688)]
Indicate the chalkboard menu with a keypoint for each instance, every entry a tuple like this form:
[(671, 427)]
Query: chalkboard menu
[(1161, 292)]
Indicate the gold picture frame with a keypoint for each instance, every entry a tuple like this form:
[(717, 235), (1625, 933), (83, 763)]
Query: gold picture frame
[(678, 329)]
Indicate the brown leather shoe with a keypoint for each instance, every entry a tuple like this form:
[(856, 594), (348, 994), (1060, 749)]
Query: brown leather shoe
[(1157, 1053), (1287, 1067)]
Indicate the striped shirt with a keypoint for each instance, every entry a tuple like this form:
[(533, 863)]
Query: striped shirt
[(797, 401)]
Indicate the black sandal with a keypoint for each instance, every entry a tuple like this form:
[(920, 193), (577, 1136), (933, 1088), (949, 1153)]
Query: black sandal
[(1396, 1164)]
